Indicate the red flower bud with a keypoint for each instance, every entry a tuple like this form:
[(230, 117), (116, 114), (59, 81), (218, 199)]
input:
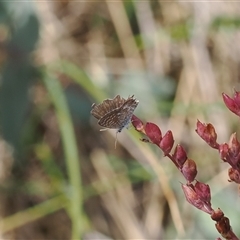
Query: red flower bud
[(237, 97), (223, 227), (217, 215), (234, 144), (223, 151), (180, 155), (233, 104), (203, 191), (192, 197), (189, 170), (231, 152), (223, 224), (137, 123), (207, 133), (234, 175), (234, 151), (153, 132), (167, 142)]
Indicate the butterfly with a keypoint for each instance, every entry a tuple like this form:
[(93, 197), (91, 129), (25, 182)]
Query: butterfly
[(115, 113)]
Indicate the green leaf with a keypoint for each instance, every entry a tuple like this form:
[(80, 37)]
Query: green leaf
[(16, 80)]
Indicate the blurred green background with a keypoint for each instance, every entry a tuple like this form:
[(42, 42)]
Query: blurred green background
[(60, 178)]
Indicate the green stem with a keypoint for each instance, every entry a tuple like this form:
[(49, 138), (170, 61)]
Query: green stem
[(72, 160), (31, 214)]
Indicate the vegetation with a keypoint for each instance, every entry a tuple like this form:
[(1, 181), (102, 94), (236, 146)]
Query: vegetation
[(60, 178)]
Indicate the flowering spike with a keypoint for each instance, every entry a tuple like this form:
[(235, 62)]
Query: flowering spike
[(167, 142), (180, 155), (233, 104), (207, 133), (189, 170), (153, 132)]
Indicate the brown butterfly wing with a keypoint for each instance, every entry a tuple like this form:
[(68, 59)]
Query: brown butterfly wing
[(113, 103), (111, 119), (100, 110), (96, 111), (127, 109), (118, 118)]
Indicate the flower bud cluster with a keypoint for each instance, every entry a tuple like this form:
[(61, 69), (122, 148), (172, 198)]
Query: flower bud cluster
[(197, 194), (228, 152), (179, 157), (233, 104)]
